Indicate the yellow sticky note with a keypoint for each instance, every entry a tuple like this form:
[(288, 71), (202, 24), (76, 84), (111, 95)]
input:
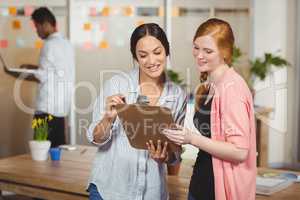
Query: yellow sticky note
[(12, 10), (87, 26), (38, 44), (103, 44), (16, 24), (105, 11), (138, 23), (128, 11)]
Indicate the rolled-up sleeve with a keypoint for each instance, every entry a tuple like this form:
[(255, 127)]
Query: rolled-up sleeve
[(235, 121), (98, 112)]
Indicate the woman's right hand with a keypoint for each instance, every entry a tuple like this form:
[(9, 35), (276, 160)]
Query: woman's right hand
[(110, 103)]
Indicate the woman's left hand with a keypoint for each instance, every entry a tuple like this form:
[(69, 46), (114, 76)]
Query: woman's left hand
[(180, 135), (158, 154)]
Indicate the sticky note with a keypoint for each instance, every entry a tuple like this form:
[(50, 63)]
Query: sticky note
[(103, 44), (4, 12), (140, 22), (16, 24), (38, 44), (161, 11), (120, 42), (12, 11), (28, 10), (3, 44), (128, 11), (20, 42), (87, 45), (103, 27), (175, 12), (87, 26), (105, 11), (93, 11)]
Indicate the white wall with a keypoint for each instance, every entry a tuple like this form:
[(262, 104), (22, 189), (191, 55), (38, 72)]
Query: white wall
[(273, 31)]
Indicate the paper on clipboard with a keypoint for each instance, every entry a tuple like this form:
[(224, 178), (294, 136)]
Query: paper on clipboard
[(143, 123)]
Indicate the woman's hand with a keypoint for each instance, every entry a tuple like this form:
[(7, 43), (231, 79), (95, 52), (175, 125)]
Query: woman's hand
[(158, 154), (180, 135), (110, 103)]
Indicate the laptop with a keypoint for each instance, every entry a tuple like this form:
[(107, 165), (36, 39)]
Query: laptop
[(17, 70)]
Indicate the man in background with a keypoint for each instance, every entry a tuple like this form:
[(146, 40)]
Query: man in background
[(54, 74)]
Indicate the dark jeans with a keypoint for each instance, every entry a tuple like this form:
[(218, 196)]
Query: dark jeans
[(190, 197), (93, 192), (56, 129)]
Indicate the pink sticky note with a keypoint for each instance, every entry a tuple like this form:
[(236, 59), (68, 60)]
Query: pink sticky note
[(87, 45), (28, 10), (93, 11), (103, 27), (3, 44)]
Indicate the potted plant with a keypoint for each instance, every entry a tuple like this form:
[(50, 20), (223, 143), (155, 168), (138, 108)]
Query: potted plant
[(259, 67), (40, 145)]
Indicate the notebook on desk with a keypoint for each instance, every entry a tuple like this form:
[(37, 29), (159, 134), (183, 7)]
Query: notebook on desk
[(143, 123)]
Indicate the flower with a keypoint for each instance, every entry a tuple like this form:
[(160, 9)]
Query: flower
[(40, 127)]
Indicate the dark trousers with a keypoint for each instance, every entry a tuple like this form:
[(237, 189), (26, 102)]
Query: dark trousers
[(56, 129)]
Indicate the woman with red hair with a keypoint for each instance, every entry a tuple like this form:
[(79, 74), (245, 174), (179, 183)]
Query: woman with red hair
[(225, 167)]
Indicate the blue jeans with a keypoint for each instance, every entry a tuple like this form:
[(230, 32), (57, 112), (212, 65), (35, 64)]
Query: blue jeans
[(93, 192), (190, 197)]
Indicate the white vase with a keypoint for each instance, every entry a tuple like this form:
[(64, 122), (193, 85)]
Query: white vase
[(39, 149)]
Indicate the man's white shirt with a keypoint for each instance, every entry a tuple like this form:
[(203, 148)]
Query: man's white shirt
[(56, 75)]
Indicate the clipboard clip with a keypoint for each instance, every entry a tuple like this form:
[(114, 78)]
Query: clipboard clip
[(142, 100)]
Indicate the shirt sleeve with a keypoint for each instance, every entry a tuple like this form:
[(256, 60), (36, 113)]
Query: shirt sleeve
[(98, 112), (235, 120)]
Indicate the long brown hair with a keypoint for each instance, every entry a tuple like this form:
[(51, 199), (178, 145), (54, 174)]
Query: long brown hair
[(222, 33)]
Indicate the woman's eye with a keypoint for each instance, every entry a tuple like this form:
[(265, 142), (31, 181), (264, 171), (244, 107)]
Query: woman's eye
[(157, 53), (196, 48), (208, 51), (143, 56)]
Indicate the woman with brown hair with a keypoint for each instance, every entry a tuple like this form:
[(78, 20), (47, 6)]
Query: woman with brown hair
[(225, 168)]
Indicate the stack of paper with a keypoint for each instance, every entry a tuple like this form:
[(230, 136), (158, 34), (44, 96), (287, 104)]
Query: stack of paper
[(268, 186)]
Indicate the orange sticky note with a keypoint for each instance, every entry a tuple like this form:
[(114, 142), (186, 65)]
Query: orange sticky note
[(87, 45), (105, 11), (128, 11), (12, 10), (93, 11), (16, 24), (138, 23), (28, 10), (103, 44), (87, 26), (161, 11), (38, 44), (175, 12), (3, 44)]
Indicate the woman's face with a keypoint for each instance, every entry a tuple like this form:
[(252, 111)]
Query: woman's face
[(206, 54), (151, 56)]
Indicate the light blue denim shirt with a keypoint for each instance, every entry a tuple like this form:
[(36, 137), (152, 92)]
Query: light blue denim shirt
[(120, 171)]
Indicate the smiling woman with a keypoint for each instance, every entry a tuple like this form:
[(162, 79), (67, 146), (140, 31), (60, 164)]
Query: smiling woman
[(138, 174)]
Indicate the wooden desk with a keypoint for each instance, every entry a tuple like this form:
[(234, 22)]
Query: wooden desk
[(67, 179)]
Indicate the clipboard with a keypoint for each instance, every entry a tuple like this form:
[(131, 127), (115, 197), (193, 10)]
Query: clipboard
[(143, 123), (17, 70)]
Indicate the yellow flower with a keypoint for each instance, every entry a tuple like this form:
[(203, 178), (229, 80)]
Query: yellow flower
[(50, 117), (40, 121), (34, 123)]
